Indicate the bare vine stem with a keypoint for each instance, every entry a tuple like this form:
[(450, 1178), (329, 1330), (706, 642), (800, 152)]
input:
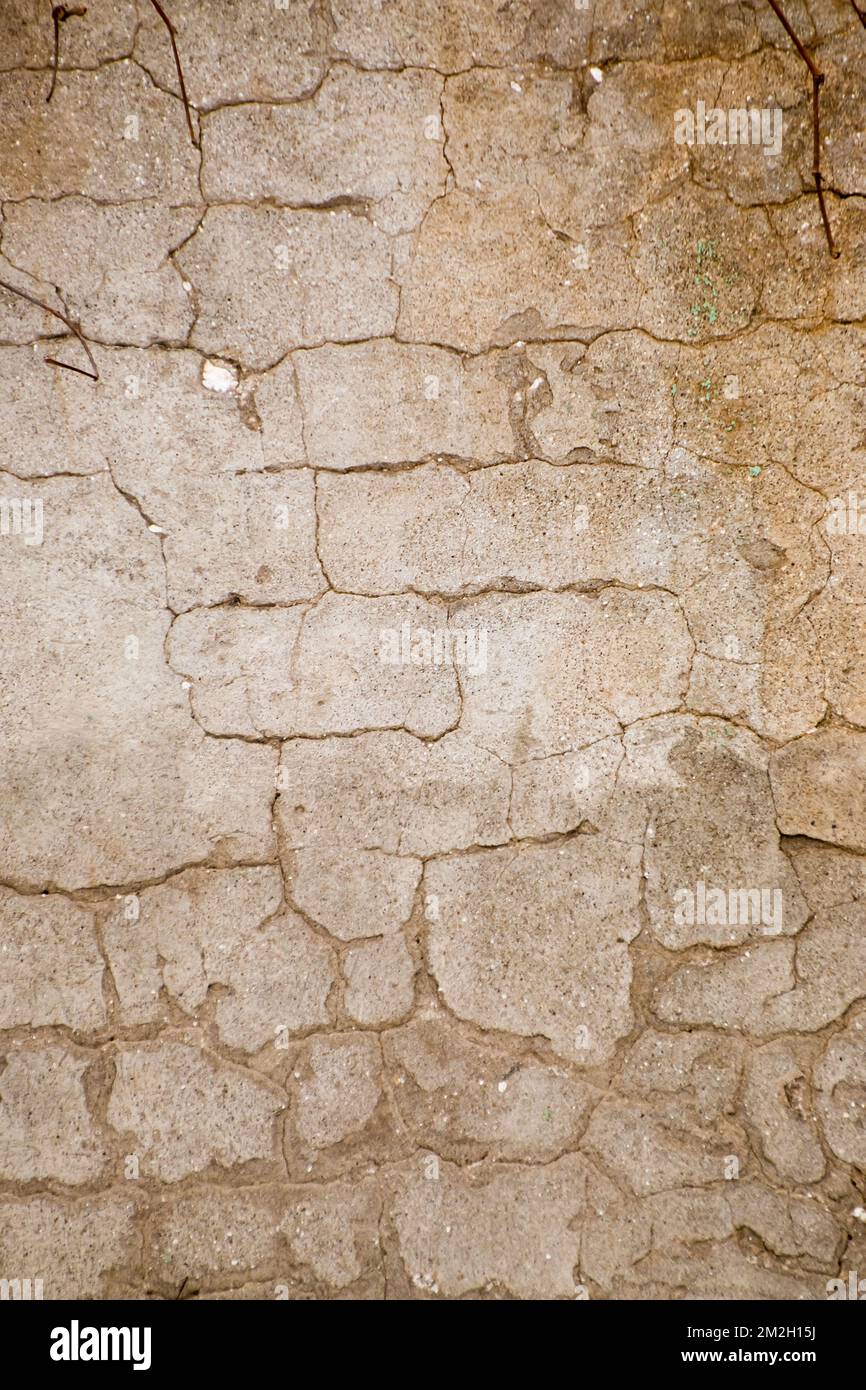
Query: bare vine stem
[(817, 82), (59, 14), (73, 328), (171, 33)]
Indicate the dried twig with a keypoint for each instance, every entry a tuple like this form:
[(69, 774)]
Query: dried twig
[(861, 15), (59, 14), (73, 328), (171, 32), (817, 82)]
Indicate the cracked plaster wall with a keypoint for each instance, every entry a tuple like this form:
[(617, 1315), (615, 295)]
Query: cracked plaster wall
[(326, 976)]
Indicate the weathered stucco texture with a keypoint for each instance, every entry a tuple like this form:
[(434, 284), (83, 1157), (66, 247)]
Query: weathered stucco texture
[(433, 696)]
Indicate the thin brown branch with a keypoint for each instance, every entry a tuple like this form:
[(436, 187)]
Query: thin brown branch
[(861, 15), (816, 162), (817, 81), (807, 59), (59, 14), (73, 328), (171, 33)]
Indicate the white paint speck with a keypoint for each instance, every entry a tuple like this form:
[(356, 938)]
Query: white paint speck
[(217, 378)]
